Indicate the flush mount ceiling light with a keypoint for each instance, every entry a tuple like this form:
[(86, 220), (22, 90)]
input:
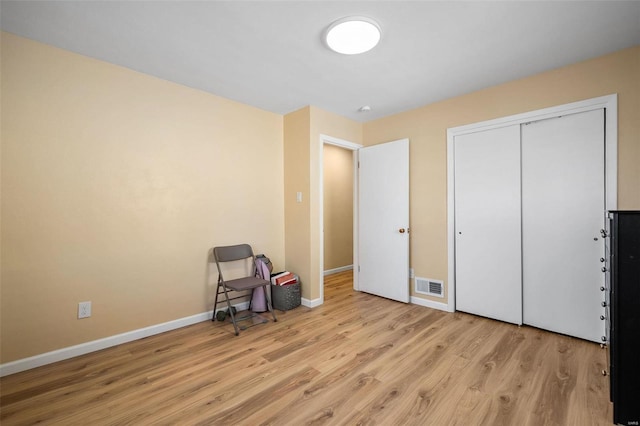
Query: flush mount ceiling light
[(353, 35)]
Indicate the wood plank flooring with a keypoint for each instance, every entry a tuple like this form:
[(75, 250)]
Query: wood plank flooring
[(356, 360)]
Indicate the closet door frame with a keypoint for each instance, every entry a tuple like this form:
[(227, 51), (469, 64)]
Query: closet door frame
[(610, 105)]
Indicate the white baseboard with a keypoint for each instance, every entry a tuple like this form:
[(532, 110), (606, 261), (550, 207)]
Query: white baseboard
[(336, 270), (107, 342), (311, 303), (118, 339), (429, 303)]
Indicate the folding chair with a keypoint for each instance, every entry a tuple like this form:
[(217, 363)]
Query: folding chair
[(251, 282)]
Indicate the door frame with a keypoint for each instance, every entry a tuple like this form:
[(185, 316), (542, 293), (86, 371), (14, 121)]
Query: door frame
[(608, 102), (354, 147)]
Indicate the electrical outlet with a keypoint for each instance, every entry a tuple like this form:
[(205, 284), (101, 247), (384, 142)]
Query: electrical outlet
[(412, 274), (84, 309)]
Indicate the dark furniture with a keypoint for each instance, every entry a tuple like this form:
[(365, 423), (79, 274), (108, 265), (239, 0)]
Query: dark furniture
[(624, 327)]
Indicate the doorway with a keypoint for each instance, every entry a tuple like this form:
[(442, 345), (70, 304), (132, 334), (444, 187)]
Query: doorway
[(380, 217), (351, 150), (338, 172)]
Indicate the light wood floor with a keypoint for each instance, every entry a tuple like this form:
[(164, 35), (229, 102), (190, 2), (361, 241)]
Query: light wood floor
[(356, 360)]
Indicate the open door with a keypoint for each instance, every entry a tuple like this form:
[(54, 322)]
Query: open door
[(383, 225)]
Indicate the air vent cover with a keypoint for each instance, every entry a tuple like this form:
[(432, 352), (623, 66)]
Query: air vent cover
[(430, 287)]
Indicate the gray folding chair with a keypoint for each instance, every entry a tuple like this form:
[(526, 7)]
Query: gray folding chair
[(240, 252)]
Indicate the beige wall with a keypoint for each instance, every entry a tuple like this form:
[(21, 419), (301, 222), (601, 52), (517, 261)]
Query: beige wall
[(337, 207), (115, 185), (296, 179), (426, 128)]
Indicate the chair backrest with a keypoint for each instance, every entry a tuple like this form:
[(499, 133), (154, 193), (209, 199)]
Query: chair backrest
[(233, 253)]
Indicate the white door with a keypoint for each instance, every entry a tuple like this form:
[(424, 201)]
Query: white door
[(563, 203), (487, 224), (383, 197)]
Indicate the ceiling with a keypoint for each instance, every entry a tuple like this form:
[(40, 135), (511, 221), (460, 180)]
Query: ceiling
[(271, 55)]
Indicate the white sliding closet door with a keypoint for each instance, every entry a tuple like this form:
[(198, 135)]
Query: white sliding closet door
[(563, 203), (487, 223)]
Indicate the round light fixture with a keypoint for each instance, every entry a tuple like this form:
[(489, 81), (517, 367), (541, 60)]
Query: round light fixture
[(353, 35)]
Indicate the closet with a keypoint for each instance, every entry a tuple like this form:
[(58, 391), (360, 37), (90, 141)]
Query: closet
[(529, 204)]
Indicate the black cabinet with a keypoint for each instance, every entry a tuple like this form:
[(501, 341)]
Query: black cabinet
[(624, 332)]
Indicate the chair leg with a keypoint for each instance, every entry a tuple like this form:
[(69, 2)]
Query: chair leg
[(233, 317), (215, 303), (268, 299)]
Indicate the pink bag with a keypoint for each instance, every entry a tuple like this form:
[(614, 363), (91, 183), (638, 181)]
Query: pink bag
[(258, 302)]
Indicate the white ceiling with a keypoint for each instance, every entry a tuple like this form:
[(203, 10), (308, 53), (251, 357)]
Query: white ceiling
[(271, 55)]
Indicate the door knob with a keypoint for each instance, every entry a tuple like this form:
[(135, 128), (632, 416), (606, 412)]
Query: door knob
[(401, 230)]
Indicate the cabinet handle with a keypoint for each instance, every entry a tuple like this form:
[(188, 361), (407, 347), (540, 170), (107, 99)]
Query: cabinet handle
[(604, 304), (602, 259), (602, 288), (604, 269)]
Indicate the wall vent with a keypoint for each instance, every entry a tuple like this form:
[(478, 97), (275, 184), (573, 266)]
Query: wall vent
[(429, 287)]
